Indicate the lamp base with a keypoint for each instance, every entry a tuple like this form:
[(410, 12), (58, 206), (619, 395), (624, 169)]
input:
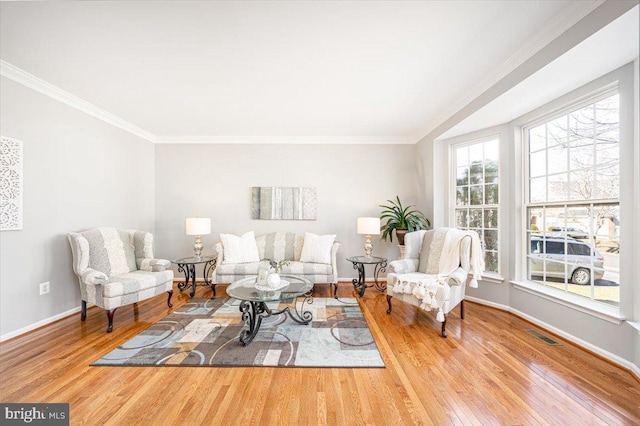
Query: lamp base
[(368, 247), (197, 247)]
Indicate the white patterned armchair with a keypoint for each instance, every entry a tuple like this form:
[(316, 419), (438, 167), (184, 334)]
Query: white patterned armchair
[(433, 273), (117, 268)]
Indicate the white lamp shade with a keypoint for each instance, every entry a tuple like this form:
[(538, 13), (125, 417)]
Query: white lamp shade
[(369, 225), (198, 226)]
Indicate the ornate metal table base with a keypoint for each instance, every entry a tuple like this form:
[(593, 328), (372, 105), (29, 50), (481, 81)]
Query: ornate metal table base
[(253, 312), (189, 270), (360, 283)]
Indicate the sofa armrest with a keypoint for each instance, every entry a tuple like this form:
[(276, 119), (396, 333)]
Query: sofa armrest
[(92, 277), (403, 266), (218, 252), (334, 259), (153, 265), (80, 254), (457, 277)]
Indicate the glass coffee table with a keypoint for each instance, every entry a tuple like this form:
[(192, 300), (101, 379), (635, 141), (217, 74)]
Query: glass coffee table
[(254, 306)]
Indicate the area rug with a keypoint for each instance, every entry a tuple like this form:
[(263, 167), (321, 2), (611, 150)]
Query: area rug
[(204, 332)]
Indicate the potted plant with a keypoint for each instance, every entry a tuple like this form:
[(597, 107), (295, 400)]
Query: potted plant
[(402, 220)]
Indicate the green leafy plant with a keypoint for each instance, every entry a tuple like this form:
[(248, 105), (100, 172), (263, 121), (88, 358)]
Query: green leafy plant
[(277, 265), (400, 217)]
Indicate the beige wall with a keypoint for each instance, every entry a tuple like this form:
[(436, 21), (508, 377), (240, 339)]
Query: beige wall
[(214, 181), (79, 172)]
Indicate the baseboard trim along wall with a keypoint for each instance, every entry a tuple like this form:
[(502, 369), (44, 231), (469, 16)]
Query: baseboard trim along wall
[(38, 324), (627, 365)]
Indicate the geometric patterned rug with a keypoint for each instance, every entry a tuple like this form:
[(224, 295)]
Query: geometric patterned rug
[(204, 332)]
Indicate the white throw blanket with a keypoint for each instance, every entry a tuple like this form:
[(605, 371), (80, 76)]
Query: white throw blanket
[(455, 253), (432, 290), (448, 252)]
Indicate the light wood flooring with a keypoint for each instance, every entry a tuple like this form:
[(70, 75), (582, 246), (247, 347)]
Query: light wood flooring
[(488, 371)]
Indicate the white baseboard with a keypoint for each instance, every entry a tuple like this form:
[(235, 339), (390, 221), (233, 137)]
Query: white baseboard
[(38, 324), (634, 369)]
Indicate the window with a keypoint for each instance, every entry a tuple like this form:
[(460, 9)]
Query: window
[(573, 201), (476, 194)]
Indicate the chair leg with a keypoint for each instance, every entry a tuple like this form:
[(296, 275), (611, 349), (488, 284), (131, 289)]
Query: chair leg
[(389, 303), (462, 309), (444, 324), (334, 286), (110, 313), (169, 304), (83, 315)]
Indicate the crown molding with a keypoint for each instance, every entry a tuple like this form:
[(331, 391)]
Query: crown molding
[(570, 16), (288, 140), (31, 81)]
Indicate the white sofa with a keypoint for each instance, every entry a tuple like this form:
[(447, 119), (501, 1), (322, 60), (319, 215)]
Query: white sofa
[(277, 246)]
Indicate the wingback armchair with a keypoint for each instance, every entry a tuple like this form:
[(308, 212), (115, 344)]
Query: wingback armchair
[(117, 268), (434, 271)]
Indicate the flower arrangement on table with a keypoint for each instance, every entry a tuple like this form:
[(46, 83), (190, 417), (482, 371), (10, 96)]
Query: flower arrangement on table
[(277, 265), (272, 281)]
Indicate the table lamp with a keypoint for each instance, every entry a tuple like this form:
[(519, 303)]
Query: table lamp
[(368, 226), (198, 226)]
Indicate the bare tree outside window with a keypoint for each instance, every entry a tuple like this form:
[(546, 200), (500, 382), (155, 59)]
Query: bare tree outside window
[(573, 199), (476, 194)]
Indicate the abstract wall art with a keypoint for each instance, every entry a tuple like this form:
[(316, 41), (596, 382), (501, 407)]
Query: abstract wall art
[(10, 184), (283, 203)]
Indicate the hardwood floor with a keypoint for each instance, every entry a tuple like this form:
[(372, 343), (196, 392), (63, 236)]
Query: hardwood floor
[(488, 371)]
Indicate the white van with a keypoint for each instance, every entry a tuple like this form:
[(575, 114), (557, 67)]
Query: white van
[(568, 258)]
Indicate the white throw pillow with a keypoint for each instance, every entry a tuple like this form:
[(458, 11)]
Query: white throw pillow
[(242, 249), (317, 248)]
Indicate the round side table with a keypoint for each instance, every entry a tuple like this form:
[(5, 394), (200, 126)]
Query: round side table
[(187, 265), (358, 263)]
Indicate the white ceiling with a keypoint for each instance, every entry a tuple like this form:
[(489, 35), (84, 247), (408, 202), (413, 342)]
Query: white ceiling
[(615, 45), (341, 72)]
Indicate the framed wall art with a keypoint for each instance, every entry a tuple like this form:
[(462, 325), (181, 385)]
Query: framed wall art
[(283, 203)]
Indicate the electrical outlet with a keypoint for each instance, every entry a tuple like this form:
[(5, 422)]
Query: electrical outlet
[(44, 288)]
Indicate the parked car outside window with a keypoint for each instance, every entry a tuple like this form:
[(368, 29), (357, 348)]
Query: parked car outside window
[(565, 258)]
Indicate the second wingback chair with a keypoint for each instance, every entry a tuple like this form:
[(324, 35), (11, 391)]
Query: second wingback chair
[(434, 271), (117, 268)]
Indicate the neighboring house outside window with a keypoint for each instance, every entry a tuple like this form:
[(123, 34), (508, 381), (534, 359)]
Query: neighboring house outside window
[(572, 200), (476, 194)]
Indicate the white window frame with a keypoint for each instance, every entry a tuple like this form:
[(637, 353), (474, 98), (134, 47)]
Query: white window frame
[(600, 309), (491, 275)]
